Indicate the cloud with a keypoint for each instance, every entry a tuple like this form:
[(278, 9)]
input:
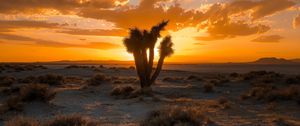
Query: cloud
[(15, 37), (217, 19), (268, 7), (296, 21), (63, 6), (270, 38), (225, 29), (40, 42), (96, 32), (145, 15), (9, 25)]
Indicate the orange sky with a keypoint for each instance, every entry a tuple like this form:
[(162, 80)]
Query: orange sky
[(202, 30)]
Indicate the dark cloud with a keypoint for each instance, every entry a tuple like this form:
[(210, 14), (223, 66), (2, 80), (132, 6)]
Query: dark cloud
[(40, 42), (64, 6), (296, 21), (270, 38), (96, 32)]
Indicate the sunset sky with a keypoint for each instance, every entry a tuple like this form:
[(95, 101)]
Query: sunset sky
[(202, 30)]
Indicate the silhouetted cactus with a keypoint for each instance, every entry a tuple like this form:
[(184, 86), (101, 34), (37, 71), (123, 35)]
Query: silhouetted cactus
[(141, 43)]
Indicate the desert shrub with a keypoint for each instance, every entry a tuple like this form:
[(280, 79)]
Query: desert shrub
[(208, 87), (13, 103), (73, 79), (234, 75), (219, 81), (293, 80), (266, 76), (223, 103), (176, 116), (51, 79), (75, 67), (97, 79), (269, 93), (22, 121), (36, 92), (118, 82), (193, 77), (173, 79), (11, 90), (28, 79), (71, 120), (6, 81), (124, 92), (131, 67)]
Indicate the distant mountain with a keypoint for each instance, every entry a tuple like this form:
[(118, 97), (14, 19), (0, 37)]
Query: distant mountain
[(274, 60)]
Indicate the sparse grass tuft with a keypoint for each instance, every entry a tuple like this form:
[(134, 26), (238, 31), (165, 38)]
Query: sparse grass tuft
[(208, 87), (64, 120), (71, 120), (176, 116), (124, 92), (6, 81), (22, 121), (51, 79), (97, 79)]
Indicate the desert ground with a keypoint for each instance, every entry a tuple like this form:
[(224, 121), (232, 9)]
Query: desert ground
[(106, 95)]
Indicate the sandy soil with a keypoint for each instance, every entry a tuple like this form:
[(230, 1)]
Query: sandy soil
[(96, 102)]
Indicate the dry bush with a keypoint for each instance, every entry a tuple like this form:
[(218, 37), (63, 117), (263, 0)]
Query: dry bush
[(77, 67), (270, 93), (13, 103), (36, 92), (97, 79), (193, 77), (293, 80), (117, 82), (21, 67), (266, 76), (73, 79), (208, 87), (223, 103), (51, 79), (10, 90), (131, 67), (219, 81), (173, 79), (28, 79), (234, 75), (176, 116), (22, 121), (71, 120), (6, 81), (124, 92)]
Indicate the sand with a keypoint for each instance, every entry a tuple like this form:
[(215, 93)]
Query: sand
[(96, 102)]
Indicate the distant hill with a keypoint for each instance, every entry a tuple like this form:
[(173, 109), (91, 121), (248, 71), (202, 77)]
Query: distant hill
[(274, 60), (296, 60)]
